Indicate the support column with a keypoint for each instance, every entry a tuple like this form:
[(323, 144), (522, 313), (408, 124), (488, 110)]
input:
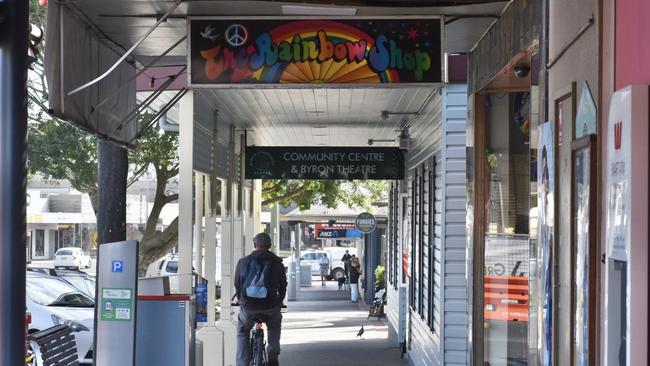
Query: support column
[(297, 258), (257, 206), (211, 337), (250, 228), (13, 136), (238, 224), (198, 223), (275, 227), (186, 172), (227, 323)]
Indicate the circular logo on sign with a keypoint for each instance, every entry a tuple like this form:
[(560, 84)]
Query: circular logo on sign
[(236, 35), (262, 164), (365, 222)]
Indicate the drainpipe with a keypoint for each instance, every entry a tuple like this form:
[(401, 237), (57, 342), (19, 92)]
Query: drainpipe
[(167, 126)]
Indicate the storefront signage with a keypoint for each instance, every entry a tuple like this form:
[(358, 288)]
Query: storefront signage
[(586, 117), (324, 163), (365, 222), (329, 233), (321, 51), (619, 125)]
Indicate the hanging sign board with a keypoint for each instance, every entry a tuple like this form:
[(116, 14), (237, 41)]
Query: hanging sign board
[(324, 163), (259, 51), (365, 222)]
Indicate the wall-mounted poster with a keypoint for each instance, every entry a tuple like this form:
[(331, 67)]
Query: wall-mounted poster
[(315, 51), (586, 117), (545, 232)]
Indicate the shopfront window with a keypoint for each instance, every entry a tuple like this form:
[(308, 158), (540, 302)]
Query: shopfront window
[(39, 243), (507, 215)]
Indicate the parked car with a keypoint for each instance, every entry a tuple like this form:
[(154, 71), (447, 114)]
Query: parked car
[(337, 267), (72, 258), (81, 280), (52, 301), (168, 266)]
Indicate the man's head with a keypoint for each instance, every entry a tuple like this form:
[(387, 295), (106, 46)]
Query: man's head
[(347, 251), (262, 241)]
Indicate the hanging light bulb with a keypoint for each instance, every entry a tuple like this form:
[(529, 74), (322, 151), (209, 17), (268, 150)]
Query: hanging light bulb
[(152, 83)]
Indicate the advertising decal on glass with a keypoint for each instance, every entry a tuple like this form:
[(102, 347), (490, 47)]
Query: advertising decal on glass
[(545, 194), (581, 231), (618, 175)]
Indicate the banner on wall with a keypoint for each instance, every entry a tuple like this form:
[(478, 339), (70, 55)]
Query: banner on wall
[(315, 51), (545, 240)]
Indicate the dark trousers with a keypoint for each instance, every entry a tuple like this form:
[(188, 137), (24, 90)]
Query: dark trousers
[(246, 321)]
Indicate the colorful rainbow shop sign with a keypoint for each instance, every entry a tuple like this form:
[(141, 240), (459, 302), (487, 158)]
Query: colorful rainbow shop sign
[(314, 51)]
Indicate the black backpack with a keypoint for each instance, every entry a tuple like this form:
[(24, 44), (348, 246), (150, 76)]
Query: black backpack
[(255, 281)]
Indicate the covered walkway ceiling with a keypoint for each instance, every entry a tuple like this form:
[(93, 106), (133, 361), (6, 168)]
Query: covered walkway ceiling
[(290, 116)]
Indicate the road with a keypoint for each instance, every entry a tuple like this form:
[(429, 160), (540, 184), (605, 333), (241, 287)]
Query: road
[(49, 264)]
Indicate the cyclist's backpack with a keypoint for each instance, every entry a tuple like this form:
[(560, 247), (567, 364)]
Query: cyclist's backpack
[(255, 282)]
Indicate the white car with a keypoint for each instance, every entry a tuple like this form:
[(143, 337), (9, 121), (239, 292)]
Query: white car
[(337, 267), (167, 266), (72, 258), (52, 301)]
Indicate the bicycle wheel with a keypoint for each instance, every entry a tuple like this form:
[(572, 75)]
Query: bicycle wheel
[(258, 355)]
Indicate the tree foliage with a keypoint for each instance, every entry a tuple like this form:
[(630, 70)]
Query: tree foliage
[(58, 150), (330, 193)]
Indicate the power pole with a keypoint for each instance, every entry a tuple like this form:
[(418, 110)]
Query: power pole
[(113, 168), (14, 28)]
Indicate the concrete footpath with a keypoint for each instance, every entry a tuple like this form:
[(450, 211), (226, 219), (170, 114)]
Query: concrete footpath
[(320, 330)]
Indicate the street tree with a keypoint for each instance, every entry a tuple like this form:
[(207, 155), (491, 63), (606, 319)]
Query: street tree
[(58, 150)]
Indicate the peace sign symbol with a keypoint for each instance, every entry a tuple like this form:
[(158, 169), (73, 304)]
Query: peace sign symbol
[(236, 35)]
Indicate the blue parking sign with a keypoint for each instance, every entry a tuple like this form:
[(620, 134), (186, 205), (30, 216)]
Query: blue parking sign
[(118, 266)]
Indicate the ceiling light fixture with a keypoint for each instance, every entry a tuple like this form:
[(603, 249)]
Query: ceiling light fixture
[(372, 141), (315, 10), (387, 114)]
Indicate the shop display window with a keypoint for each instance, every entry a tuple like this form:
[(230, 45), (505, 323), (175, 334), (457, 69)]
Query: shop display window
[(507, 221)]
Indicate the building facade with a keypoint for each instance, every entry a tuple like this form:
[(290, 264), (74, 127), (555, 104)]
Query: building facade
[(427, 289), (558, 185)]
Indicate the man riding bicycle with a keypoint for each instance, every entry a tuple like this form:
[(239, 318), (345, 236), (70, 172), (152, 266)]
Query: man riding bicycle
[(261, 284)]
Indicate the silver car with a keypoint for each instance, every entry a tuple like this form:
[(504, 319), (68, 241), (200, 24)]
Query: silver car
[(52, 301)]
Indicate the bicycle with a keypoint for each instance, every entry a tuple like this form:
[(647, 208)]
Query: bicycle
[(259, 357), (258, 344)]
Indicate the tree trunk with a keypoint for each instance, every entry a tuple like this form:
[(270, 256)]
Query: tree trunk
[(157, 245), (112, 173)]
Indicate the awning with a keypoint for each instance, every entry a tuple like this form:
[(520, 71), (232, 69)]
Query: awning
[(74, 55)]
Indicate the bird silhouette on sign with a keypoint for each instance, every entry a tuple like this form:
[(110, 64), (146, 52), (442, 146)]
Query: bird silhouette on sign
[(207, 33), (360, 332)]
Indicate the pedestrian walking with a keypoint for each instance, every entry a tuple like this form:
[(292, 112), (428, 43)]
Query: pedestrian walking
[(355, 272), (324, 264), (346, 265)]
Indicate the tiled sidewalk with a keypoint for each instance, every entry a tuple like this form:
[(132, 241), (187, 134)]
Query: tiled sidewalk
[(320, 330)]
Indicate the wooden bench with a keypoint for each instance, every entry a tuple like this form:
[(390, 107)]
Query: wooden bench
[(54, 346), (506, 298)]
